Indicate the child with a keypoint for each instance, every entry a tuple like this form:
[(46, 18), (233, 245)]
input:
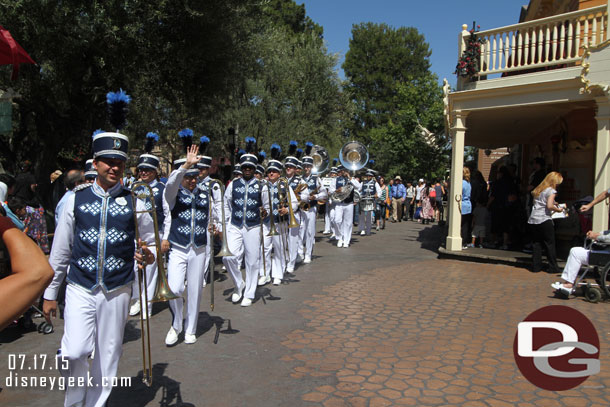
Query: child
[(479, 222), (16, 211)]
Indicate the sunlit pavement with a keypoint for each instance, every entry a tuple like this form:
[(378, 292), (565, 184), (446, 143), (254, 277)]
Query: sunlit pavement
[(381, 323)]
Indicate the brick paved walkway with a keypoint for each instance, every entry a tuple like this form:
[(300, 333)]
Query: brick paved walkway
[(380, 323), (432, 333)]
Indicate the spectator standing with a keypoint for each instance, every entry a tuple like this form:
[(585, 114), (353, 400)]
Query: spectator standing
[(25, 185), (541, 223), (398, 197), (498, 206), (466, 208), (440, 192), (535, 179), (381, 203), (427, 211), (420, 186), (390, 197), (480, 216), (408, 207)]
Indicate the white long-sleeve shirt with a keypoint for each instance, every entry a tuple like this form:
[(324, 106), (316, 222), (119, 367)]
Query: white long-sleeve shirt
[(61, 252)]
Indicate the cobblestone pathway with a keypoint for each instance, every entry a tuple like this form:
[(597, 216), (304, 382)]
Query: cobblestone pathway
[(431, 333)]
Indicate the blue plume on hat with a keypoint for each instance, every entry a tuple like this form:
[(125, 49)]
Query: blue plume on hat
[(240, 153), (371, 162), (335, 162), (292, 148), (186, 135), (204, 142), (117, 107), (250, 145), (276, 151), (151, 139), (308, 147), (261, 156), (98, 131), (299, 153)]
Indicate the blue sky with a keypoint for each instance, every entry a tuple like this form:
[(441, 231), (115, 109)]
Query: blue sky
[(440, 21)]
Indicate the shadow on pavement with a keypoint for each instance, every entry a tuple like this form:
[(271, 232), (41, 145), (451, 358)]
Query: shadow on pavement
[(139, 395), (431, 237)]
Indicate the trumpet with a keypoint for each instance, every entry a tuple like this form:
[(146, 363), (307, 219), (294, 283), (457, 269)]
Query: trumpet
[(141, 190), (224, 249)]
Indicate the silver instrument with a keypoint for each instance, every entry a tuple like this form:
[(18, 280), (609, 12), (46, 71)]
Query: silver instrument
[(346, 190), (320, 160), (354, 155), (367, 203)]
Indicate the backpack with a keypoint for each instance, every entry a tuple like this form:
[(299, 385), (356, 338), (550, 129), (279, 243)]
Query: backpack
[(432, 193)]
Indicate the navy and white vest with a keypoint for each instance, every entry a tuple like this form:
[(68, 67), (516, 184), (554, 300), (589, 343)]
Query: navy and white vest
[(157, 188), (294, 182), (246, 201), (341, 182), (104, 240), (368, 189), (312, 183), (275, 203), (190, 218)]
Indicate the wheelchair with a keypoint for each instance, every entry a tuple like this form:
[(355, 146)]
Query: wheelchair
[(598, 269)]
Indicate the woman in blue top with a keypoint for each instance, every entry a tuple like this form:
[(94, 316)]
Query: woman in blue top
[(466, 208)]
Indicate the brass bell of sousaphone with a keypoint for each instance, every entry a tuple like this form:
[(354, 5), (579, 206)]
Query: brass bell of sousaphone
[(320, 159), (354, 155)]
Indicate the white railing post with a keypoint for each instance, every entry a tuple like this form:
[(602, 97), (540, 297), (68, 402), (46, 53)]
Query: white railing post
[(462, 38)]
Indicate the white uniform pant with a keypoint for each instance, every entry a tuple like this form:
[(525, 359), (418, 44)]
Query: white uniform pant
[(243, 243), (344, 219), (327, 218), (151, 282), (186, 263), (301, 241), (264, 268), (334, 228), (579, 256), (308, 221), (93, 321), (293, 242), (366, 220)]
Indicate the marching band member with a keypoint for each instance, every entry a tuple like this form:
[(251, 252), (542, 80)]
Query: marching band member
[(329, 225), (299, 187), (204, 164), (188, 234), (369, 190), (316, 193), (274, 169), (344, 211), (264, 262), (148, 165), (96, 239), (90, 172), (245, 202)]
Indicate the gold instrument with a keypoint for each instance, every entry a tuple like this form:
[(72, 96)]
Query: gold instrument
[(224, 248), (141, 190), (261, 182), (272, 227), (292, 220)]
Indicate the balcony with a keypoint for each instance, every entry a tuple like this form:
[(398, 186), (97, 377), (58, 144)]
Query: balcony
[(555, 44)]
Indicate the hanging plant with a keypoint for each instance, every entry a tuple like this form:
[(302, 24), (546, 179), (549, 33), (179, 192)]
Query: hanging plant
[(469, 63)]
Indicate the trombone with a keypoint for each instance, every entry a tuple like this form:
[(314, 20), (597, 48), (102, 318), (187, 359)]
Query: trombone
[(285, 200), (141, 190), (224, 249)]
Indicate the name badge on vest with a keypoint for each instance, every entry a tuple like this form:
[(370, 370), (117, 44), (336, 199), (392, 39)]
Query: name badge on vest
[(202, 195), (155, 190), (121, 201)]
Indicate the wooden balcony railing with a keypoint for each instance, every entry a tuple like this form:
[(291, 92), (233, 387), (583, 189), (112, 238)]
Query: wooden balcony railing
[(555, 41)]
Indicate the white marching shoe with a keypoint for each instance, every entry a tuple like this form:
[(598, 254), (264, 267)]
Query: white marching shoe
[(333, 237), (345, 244), (277, 281), (238, 293), (134, 309), (172, 337), (189, 339), (340, 243), (307, 260), (326, 232), (246, 302), (262, 280), (362, 233)]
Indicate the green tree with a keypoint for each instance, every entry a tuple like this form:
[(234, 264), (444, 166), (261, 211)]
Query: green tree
[(379, 58), (400, 147), (178, 62)]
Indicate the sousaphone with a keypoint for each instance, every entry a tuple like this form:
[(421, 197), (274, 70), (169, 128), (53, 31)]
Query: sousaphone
[(354, 155)]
